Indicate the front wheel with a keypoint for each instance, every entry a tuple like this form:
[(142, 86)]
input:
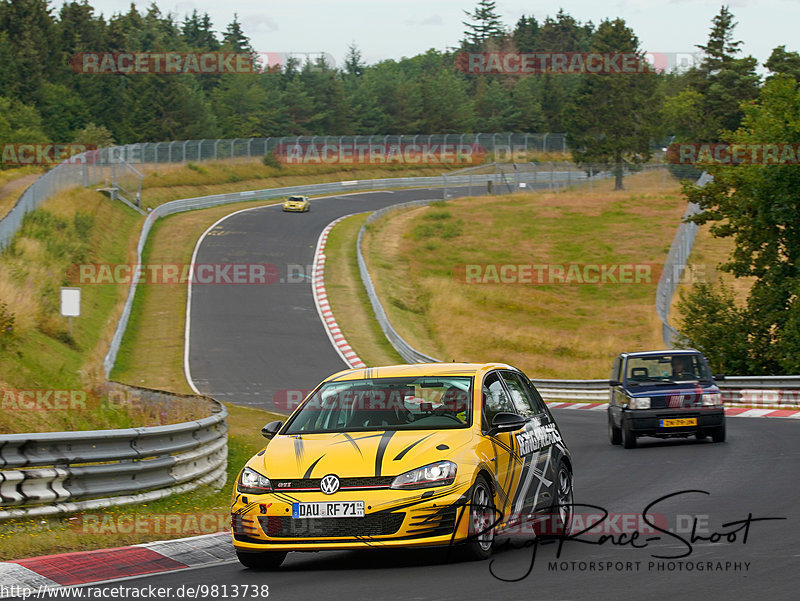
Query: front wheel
[(614, 433), (563, 507), (482, 515), (628, 437), (266, 560)]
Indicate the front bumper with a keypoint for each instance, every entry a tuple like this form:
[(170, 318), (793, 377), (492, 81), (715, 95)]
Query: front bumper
[(393, 518), (647, 422), (294, 207)]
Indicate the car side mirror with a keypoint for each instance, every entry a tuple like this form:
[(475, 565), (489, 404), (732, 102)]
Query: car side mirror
[(719, 377), (506, 422), (613, 383), (271, 429)]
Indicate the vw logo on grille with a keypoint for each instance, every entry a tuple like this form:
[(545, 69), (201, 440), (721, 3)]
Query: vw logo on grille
[(329, 484)]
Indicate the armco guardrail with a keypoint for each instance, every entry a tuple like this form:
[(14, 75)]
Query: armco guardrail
[(675, 265), (63, 472), (769, 392), (204, 202), (408, 352)]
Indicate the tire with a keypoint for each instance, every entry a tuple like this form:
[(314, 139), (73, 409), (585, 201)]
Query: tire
[(614, 433), (628, 437), (563, 508), (482, 513), (718, 435), (265, 560), (700, 435)]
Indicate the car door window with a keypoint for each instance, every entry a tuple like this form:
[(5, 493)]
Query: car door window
[(521, 395), (495, 399)]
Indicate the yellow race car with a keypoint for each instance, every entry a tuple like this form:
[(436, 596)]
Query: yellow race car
[(297, 204), (403, 456)]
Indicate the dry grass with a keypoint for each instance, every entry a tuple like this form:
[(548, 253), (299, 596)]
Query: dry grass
[(567, 331)]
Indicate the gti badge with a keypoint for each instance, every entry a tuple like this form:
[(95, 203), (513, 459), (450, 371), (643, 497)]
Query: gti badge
[(329, 484)]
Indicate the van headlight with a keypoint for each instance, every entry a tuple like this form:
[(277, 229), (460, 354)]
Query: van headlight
[(641, 402), (712, 399)]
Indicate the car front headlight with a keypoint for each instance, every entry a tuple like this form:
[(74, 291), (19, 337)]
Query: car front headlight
[(441, 473), (712, 399), (253, 483), (642, 402)]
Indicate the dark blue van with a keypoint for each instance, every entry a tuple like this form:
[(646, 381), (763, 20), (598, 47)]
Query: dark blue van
[(665, 394)]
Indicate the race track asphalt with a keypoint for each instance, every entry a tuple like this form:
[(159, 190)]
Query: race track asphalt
[(249, 342), (753, 473)]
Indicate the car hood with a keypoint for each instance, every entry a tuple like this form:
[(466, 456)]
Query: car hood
[(356, 454)]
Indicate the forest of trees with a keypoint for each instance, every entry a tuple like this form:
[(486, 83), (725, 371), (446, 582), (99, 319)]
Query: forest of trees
[(42, 99)]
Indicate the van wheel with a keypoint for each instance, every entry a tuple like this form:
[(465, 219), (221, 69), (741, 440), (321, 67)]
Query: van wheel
[(614, 433), (718, 435), (628, 437)]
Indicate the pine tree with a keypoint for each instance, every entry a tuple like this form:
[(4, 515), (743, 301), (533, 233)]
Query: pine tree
[(486, 24), (609, 121)]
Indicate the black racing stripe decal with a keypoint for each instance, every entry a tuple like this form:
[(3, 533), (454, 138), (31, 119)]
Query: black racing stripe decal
[(402, 453), (359, 438), (298, 449), (311, 469), (385, 438), (352, 441)]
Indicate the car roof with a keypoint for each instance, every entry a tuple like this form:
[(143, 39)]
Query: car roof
[(675, 351), (417, 370)]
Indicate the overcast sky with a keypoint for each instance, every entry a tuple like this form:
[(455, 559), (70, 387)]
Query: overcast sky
[(395, 28)]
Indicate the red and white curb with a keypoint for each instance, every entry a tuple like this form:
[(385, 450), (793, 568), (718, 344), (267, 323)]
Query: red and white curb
[(335, 335), (729, 411), (90, 567)]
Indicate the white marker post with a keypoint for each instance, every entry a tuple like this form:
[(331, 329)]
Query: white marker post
[(70, 304)]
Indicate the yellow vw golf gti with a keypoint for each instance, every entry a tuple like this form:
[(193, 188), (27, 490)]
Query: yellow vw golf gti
[(440, 454)]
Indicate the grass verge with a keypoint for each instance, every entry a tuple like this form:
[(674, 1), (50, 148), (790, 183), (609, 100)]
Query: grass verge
[(348, 298), (557, 330)]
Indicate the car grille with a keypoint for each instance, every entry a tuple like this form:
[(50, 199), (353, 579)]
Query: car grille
[(376, 524), (360, 483)]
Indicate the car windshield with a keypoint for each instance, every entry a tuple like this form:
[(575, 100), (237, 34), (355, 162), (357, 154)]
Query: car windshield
[(295, 199), (411, 403), (668, 368)]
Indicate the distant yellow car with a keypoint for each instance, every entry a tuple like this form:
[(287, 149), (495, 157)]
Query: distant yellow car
[(404, 456), (298, 204)]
